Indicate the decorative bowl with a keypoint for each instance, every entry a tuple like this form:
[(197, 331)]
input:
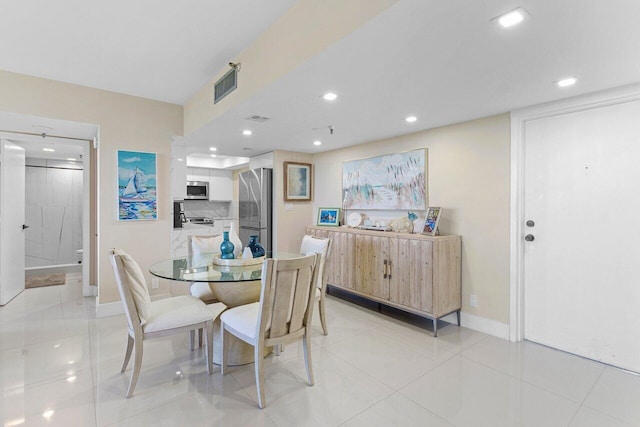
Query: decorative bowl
[(237, 262)]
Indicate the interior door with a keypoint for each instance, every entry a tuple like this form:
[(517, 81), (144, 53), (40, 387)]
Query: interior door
[(581, 275), (12, 172)]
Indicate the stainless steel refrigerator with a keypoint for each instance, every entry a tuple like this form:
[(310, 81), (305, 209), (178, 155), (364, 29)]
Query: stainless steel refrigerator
[(255, 206)]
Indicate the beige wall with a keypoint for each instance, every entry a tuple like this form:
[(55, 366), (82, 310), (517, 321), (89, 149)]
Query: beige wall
[(288, 226), (468, 175), (305, 30), (126, 122)]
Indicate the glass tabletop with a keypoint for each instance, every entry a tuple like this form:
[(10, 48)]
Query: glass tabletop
[(200, 268)]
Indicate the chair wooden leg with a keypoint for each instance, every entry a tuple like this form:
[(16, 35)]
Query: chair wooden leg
[(127, 355), (306, 346), (225, 350), (137, 363), (278, 349), (259, 366), (208, 342), (323, 318)]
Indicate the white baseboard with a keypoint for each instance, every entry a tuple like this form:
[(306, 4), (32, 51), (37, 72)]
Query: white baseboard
[(115, 308), (487, 326), (109, 309), (480, 324)]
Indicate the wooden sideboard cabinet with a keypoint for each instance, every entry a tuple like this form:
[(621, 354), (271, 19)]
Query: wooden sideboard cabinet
[(413, 272)]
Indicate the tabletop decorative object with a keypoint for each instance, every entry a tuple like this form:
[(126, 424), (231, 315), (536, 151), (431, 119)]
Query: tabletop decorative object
[(256, 248), (401, 225), (226, 247), (236, 262), (412, 217)]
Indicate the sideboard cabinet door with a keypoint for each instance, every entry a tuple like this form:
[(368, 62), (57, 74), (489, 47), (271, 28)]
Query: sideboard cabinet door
[(412, 274)]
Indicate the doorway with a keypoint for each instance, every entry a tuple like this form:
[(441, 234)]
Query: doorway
[(60, 239), (576, 242)]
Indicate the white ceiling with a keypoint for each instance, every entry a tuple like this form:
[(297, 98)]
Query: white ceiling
[(158, 49), (443, 61)]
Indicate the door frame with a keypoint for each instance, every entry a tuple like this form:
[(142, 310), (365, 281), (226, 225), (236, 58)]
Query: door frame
[(519, 118)]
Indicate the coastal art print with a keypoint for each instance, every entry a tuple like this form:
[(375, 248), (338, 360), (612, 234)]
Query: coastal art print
[(297, 182), (329, 216), (391, 182), (431, 221), (137, 196)]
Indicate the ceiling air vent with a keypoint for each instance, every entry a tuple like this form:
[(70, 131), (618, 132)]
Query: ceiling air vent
[(226, 84), (256, 118)]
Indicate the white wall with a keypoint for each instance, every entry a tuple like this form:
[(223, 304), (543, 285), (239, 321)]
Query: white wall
[(468, 176), (126, 123)]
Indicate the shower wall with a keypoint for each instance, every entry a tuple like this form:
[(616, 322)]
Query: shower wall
[(53, 212)]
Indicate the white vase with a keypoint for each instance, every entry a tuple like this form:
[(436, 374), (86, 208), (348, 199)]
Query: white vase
[(235, 239)]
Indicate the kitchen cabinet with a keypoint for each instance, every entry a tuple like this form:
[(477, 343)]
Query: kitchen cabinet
[(220, 182), (413, 272)]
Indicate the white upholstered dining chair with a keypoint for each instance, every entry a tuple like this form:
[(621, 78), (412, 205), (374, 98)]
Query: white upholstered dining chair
[(321, 245), (198, 245), (154, 319), (282, 315)]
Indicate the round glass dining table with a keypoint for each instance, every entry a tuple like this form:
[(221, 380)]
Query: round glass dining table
[(232, 285)]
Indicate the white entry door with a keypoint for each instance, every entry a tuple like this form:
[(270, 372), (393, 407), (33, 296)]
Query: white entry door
[(582, 270), (12, 171)]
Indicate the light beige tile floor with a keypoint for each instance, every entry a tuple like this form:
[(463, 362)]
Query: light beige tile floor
[(59, 366)]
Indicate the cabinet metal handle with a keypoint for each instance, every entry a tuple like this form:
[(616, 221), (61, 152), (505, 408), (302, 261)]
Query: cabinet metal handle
[(529, 238), (385, 269), (389, 265)]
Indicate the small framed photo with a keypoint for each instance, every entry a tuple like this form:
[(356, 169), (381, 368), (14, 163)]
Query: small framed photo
[(298, 182), (329, 216), (431, 222)]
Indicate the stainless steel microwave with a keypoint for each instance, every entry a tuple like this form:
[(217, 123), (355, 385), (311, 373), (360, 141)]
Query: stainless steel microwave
[(197, 190)]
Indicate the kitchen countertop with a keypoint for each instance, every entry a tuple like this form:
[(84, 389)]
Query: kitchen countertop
[(189, 225)]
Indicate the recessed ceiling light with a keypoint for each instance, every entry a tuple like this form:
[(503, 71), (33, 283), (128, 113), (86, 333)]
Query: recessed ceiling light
[(317, 142), (569, 81), (48, 413), (179, 159), (213, 155), (71, 379), (48, 149), (246, 132), (330, 96), (410, 119), (213, 149), (512, 18)]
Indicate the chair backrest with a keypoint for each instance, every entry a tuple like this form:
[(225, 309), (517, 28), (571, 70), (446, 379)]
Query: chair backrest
[(121, 262), (286, 297), (203, 244), (321, 245)]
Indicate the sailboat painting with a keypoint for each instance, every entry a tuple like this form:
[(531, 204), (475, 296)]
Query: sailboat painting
[(137, 195)]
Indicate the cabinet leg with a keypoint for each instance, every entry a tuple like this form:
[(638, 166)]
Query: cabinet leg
[(458, 315), (435, 328)]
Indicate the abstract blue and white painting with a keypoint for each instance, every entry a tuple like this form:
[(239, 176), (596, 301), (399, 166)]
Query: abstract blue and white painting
[(137, 192), (390, 182)]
